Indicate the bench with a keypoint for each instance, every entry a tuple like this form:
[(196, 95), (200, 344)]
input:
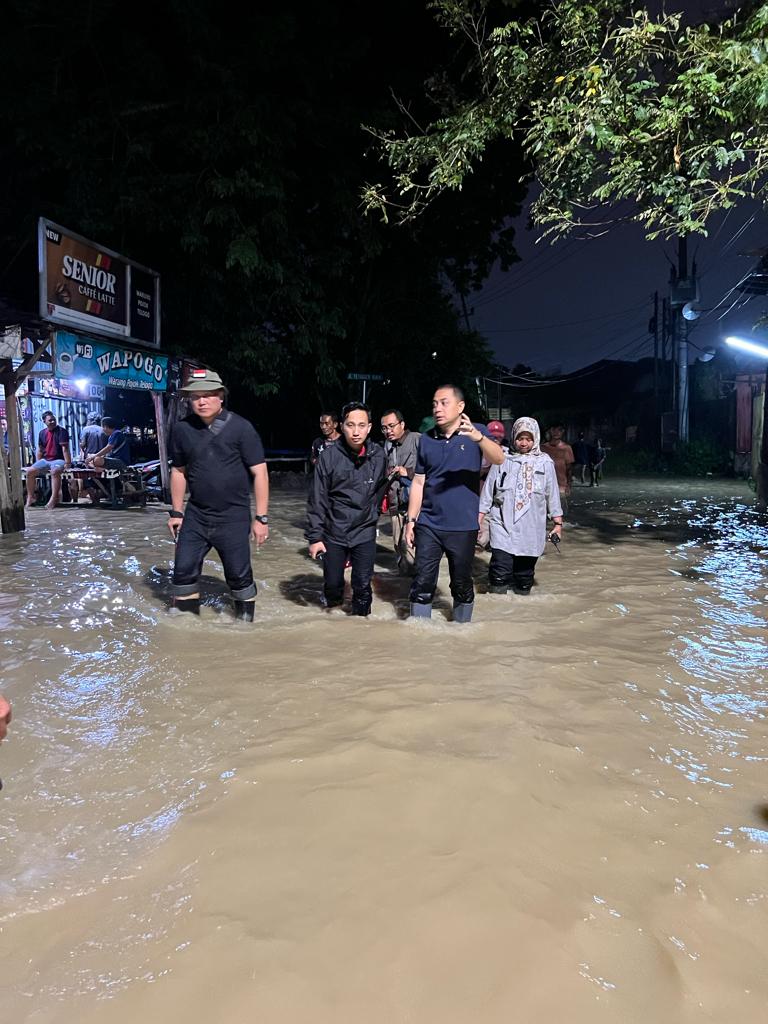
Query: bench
[(42, 485), (287, 455), (120, 487)]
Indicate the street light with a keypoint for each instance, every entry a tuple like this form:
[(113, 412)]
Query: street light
[(707, 354), (748, 346)]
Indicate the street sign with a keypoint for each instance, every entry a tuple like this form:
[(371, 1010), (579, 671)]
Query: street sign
[(365, 376)]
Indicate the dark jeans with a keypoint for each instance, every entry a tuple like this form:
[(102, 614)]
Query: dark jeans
[(459, 548), (508, 570), (229, 536), (362, 557)]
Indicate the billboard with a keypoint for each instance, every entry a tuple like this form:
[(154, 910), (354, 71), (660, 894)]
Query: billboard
[(86, 286), (87, 361)]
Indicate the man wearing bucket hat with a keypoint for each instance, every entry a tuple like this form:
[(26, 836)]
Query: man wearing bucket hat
[(220, 457)]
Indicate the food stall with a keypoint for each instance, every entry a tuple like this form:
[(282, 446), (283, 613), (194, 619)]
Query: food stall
[(97, 328)]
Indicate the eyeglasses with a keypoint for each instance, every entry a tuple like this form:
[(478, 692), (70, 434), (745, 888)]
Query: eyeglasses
[(385, 427)]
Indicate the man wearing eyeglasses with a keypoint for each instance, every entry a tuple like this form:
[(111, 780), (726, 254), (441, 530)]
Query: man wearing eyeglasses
[(401, 446)]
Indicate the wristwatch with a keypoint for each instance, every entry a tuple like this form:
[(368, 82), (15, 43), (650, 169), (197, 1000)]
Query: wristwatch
[(262, 519)]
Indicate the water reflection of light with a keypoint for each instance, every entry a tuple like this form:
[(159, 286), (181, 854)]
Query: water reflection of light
[(723, 643), (758, 835), (164, 819)]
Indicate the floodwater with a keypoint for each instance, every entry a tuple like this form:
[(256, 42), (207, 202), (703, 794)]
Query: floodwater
[(557, 813)]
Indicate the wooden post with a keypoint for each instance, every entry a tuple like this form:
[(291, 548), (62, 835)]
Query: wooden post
[(12, 490), (7, 524), (762, 465), (162, 444)]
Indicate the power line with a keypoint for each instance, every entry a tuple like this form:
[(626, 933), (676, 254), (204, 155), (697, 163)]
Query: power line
[(632, 343), (508, 287), (564, 323), (727, 294), (543, 270)]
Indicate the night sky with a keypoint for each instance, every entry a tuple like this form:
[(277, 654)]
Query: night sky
[(567, 305), (601, 292), (177, 193)]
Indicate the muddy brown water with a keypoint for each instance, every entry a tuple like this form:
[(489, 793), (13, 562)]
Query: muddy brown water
[(557, 813)]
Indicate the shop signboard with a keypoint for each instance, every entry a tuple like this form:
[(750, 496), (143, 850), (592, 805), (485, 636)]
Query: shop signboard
[(87, 360), (85, 286), (77, 389)]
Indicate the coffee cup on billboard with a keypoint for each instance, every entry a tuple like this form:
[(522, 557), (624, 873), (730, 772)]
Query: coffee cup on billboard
[(65, 364)]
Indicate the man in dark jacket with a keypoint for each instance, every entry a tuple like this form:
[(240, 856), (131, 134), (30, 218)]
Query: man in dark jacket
[(343, 508)]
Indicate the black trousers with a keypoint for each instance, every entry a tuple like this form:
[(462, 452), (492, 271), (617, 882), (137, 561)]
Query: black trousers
[(507, 570), (362, 557), (459, 548), (230, 537)]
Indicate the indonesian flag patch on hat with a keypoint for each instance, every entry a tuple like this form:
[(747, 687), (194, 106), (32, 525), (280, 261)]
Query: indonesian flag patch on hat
[(203, 380)]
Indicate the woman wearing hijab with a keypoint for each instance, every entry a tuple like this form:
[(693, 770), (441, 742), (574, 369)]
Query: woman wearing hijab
[(517, 497)]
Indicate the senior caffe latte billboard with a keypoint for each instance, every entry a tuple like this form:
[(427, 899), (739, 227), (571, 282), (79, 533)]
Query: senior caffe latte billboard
[(86, 286)]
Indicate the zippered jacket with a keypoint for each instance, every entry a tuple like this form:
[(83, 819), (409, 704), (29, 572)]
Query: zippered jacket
[(345, 495)]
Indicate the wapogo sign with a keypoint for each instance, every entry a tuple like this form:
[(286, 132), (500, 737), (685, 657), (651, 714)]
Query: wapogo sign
[(85, 285), (87, 360)]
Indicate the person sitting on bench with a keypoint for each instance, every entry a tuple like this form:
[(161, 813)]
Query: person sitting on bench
[(53, 456), (116, 452), (92, 440)]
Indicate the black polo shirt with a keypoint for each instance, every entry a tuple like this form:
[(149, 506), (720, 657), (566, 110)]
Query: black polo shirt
[(217, 459)]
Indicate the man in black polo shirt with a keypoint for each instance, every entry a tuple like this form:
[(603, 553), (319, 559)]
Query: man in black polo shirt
[(219, 456), (445, 500)]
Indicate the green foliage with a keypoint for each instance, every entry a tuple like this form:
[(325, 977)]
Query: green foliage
[(636, 461), (608, 103), (695, 459), (700, 458)]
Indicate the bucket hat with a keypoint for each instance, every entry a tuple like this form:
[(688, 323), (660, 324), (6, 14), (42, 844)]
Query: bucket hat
[(203, 380)]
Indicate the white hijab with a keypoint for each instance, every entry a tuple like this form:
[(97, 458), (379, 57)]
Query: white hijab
[(526, 464)]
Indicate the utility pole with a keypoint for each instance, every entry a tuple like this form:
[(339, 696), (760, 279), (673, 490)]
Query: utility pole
[(683, 291), (682, 348), (655, 323), (466, 314)]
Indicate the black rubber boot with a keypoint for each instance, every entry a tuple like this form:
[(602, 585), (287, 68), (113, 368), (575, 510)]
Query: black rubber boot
[(244, 610), (497, 588), (187, 604)]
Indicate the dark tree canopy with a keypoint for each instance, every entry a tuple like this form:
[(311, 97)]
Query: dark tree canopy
[(228, 153), (611, 101)]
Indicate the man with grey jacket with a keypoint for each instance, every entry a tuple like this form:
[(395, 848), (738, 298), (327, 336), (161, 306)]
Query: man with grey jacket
[(401, 446)]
